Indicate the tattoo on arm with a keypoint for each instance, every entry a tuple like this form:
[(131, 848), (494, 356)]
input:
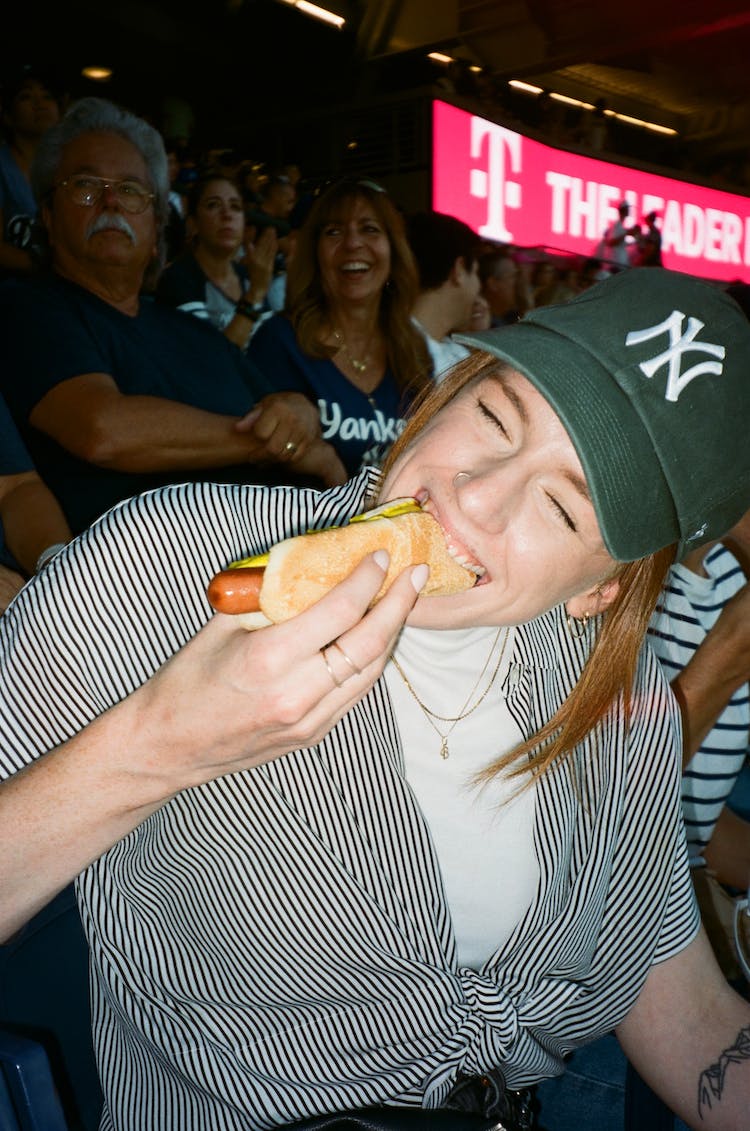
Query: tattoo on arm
[(711, 1083)]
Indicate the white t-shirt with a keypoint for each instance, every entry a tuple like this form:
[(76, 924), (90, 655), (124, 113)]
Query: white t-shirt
[(445, 353), (485, 848)]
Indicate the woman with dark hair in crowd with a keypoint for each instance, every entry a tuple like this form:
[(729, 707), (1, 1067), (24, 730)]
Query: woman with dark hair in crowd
[(347, 338), (209, 279)]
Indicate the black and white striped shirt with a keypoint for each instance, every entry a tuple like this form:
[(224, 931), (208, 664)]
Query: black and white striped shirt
[(276, 943)]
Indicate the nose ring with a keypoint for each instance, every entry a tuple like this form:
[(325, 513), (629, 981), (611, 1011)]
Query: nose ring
[(459, 476)]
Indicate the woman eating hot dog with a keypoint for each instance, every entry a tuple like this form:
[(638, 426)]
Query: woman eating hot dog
[(398, 855)]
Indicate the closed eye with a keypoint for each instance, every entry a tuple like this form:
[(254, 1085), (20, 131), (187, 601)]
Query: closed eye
[(562, 513), (492, 417)]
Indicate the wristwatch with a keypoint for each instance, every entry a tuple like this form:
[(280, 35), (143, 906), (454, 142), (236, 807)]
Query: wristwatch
[(251, 310)]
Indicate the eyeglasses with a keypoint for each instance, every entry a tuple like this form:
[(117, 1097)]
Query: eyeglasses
[(88, 191)]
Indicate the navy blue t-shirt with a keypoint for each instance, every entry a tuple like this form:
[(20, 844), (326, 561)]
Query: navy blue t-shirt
[(53, 330), (14, 459), (14, 456), (361, 427)]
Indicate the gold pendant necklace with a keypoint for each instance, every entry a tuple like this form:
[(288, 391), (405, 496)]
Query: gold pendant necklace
[(466, 710), (357, 364)]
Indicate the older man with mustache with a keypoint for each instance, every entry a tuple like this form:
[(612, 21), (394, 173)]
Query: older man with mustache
[(112, 393)]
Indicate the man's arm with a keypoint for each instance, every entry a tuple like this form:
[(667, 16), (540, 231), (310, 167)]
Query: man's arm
[(89, 417), (31, 516), (718, 667), (688, 1036)]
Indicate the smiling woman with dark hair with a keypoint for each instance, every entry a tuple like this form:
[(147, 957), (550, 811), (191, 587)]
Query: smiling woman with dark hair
[(347, 339)]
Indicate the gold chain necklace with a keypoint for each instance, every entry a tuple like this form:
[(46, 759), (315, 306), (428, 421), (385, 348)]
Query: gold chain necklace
[(465, 711), (359, 366)]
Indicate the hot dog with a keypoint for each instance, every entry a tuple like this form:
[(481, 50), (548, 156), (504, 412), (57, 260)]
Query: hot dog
[(297, 572)]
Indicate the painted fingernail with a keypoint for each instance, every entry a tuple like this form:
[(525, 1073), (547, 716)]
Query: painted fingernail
[(382, 558), (419, 577)]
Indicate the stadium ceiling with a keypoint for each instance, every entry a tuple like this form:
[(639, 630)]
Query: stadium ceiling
[(682, 64)]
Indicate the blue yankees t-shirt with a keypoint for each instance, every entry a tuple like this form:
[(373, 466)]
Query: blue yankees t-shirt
[(361, 427)]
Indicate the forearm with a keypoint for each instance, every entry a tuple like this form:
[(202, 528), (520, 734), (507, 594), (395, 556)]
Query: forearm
[(688, 1035), (705, 685), (239, 329), (259, 259), (32, 520), (728, 854), (66, 809), (143, 434)]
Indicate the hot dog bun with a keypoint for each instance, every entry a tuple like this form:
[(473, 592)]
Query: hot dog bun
[(301, 570)]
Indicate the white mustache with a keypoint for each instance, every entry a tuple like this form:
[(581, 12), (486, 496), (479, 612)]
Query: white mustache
[(110, 220)]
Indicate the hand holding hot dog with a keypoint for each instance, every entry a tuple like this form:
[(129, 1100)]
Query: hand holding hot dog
[(231, 700)]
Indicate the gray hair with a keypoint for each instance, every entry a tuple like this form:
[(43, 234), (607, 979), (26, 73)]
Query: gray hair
[(97, 115)]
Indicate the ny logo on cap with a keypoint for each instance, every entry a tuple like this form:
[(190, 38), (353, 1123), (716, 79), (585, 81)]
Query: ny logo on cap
[(680, 342)]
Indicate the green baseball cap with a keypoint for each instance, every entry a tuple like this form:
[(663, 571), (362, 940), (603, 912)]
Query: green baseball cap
[(649, 371)]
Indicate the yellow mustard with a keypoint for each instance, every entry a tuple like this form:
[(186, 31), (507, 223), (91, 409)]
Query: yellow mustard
[(388, 510)]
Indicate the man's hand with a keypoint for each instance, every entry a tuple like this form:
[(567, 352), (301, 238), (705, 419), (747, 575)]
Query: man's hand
[(286, 424)]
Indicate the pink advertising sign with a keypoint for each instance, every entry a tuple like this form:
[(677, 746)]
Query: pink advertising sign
[(515, 190)]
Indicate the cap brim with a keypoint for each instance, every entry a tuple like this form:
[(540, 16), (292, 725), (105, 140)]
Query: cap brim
[(619, 461)]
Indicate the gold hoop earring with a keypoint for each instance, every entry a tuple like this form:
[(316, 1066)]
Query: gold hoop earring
[(577, 626)]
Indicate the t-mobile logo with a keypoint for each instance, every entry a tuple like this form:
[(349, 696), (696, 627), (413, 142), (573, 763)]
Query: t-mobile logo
[(501, 149)]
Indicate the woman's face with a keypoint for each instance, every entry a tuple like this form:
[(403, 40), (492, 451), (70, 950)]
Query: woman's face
[(497, 470), (354, 253), (33, 110), (219, 220)]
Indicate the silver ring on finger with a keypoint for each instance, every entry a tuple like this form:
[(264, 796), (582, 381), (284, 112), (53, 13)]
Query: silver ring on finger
[(331, 672), (290, 447), (340, 647)]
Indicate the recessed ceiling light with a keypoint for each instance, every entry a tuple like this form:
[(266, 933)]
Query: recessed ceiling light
[(529, 88), (97, 74), (316, 12)]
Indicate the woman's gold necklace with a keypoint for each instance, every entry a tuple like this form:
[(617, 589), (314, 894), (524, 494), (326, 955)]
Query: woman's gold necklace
[(359, 365), (466, 710)]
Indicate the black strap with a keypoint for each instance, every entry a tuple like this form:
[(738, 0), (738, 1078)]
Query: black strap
[(398, 1119), (476, 1103)]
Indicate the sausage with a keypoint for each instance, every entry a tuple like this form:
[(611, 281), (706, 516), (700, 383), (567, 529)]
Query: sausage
[(236, 590)]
